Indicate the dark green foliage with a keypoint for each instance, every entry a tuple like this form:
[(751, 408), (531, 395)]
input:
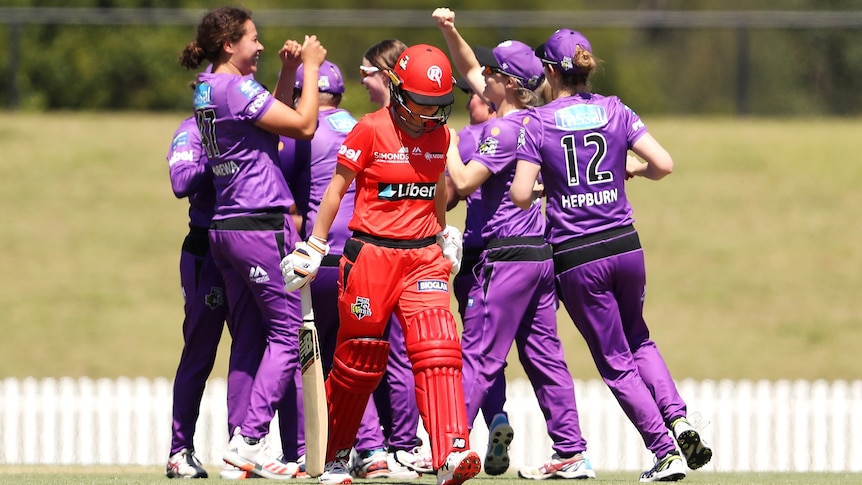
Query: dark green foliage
[(714, 71)]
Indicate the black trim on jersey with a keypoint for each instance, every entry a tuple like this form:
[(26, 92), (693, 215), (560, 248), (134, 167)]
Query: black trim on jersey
[(593, 247), (269, 221), (279, 242), (352, 247), (395, 243), (518, 249)]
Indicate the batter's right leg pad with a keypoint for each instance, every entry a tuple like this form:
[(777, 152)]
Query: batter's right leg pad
[(433, 347)]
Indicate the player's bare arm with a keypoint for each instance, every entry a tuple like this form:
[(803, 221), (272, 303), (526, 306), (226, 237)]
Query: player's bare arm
[(335, 191), (521, 190), (658, 161)]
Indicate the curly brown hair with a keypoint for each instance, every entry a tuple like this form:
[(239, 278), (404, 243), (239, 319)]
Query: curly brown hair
[(219, 26)]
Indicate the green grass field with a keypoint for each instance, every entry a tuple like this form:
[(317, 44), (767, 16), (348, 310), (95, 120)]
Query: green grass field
[(153, 476), (752, 249)]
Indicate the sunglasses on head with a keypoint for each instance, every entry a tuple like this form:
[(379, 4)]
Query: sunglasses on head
[(365, 71)]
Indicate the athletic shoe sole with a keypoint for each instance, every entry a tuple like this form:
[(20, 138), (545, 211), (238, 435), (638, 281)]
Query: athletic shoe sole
[(497, 457), (696, 453), (469, 467)]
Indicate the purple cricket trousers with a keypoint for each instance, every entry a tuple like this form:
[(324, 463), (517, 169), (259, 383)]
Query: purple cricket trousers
[(517, 282), (205, 311), (468, 294), (602, 284), (248, 251)]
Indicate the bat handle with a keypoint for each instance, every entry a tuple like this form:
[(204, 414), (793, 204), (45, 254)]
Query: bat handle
[(307, 309)]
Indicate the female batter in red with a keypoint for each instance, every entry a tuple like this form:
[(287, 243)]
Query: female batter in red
[(394, 262)]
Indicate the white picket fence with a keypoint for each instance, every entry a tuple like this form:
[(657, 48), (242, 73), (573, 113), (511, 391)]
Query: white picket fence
[(752, 426)]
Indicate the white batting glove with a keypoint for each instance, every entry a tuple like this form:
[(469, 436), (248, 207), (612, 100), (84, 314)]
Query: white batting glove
[(300, 266), (451, 241)]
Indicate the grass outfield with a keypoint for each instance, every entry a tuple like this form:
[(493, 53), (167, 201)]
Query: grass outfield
[(33, 475), (752, 249)]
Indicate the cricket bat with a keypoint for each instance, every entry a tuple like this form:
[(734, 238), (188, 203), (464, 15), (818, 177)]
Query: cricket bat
[(313, 391)]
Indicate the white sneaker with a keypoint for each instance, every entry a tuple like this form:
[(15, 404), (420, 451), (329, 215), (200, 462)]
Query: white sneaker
[(459, 467), (241, 454), (575, 467), (397, 471), (184, 464), (335, 472), (258, 459), (370, 464), (230, 472), (499, 439), (418, 459), (275, 468), (669, 468), (696, 451)]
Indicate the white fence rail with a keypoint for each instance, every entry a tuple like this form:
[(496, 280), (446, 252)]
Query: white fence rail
[(752, 426)]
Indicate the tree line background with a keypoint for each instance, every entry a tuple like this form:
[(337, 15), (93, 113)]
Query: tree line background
[(763, 71)]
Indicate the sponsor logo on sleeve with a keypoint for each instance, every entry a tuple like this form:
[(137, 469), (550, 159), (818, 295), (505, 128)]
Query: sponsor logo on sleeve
[(181, 156), (258, 103), (349, 153), (181, 140), (341, 122), (250, 88), (488, 146)]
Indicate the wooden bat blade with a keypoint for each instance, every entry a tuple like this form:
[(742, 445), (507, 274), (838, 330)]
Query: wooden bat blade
[(313, 390)]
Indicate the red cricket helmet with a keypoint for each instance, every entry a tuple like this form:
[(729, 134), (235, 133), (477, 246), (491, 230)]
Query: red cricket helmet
[(423, 74)]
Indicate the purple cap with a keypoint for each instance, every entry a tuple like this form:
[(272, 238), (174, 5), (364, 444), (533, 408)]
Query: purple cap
[(329, 79), (560, 49), (516, 59)]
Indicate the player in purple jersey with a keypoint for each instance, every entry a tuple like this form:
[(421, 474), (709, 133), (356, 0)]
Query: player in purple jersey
[(251, 230), (204, 304), (515, 269), (579, 143), (468, 291), (205, 310)]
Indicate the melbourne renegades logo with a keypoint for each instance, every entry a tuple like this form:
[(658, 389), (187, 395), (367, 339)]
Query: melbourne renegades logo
[(435, 74), (361, 308)]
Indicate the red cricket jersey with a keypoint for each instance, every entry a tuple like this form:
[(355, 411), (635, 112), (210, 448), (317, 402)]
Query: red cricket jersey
[(396, 177)]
